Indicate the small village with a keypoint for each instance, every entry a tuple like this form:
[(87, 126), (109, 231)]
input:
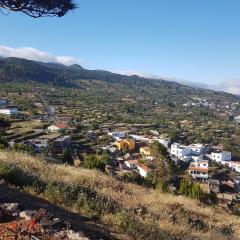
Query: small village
[(127, 150)]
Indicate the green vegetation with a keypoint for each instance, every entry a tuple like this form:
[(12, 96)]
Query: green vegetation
[(193, 190), (67, 157), (96, 161), (98, 99)]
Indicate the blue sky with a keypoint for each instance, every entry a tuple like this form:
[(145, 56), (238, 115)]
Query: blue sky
[(192, 40)]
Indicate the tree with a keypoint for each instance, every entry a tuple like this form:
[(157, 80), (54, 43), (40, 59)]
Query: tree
[(20, 147), (163, 166), (192, 190), (96, 161), (39, 8), (67, 157)]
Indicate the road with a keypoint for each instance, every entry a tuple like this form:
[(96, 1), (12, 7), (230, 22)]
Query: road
[(47, 108)]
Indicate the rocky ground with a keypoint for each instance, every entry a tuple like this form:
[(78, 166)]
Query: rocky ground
[(23, 217), (33, 224)]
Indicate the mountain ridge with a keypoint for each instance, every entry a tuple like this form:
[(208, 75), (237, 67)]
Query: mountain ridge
[(23, 70)]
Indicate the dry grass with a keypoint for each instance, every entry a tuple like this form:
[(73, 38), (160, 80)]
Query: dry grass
[(159, 207)]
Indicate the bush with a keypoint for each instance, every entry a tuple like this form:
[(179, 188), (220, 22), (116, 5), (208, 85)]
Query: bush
[(133, 177), (192, 190), (96, 161), (19, 178)]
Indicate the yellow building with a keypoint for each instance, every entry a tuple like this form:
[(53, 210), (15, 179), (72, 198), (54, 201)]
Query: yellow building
[(125, 144), (145, 151), (131, 144)]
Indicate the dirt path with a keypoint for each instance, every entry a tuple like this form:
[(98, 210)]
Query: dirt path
[(78, 222)]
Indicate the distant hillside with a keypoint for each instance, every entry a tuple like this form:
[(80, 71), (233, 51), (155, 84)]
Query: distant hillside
[(21, 70), (15, 69)]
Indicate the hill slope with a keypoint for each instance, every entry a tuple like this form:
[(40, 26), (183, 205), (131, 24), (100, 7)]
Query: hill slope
[(121, 207), (21, 70)]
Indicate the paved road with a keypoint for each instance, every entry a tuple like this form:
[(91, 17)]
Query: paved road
[(47, 108)]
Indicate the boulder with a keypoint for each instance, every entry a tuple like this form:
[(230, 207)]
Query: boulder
[(27, 215)]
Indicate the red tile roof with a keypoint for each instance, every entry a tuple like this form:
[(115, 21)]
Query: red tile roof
[(61, 125), (197, 169), (144, 167)]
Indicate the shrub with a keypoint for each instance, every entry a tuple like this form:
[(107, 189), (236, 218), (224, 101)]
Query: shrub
[(192, 190), (96, 161)]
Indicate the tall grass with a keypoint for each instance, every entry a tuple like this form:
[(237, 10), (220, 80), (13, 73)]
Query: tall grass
[(123, 207)]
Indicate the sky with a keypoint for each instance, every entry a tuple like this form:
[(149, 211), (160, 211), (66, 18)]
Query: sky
[(182, 40)]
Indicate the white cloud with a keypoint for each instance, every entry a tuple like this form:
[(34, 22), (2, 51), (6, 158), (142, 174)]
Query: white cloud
[(231, 86), (36, 55)]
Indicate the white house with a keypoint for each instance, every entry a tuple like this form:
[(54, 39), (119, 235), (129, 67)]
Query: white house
[(221, 157), (164, 142), (8, 111), (197, 158), (139, 138), (199, 169), (156, 133), (132, 164), (197, 148), (117, 135), (143, 170), (57, 127), (237, 118), (180, 151), (235, 165)]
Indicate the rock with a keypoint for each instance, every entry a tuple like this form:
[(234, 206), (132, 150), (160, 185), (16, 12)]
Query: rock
[(11, 207), (76, 235), (27, 215)]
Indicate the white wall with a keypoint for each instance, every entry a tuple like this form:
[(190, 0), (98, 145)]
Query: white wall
[(8, 111), (142, 172), (222, 156)]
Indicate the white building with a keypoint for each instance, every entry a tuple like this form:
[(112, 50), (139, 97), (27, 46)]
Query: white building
[(197, 148), (139, 138), (199, 169), (132, 164), (143, 170), (164, 142), (221, 157), (57, 127), (156, 133), (180, 151), (197, 158), (8, 111), (117, 135), (237, 118), (235, 166)]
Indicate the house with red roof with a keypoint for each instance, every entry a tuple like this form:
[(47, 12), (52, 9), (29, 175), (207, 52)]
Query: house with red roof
[(143, 170), (57, 127), (199, 169)]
